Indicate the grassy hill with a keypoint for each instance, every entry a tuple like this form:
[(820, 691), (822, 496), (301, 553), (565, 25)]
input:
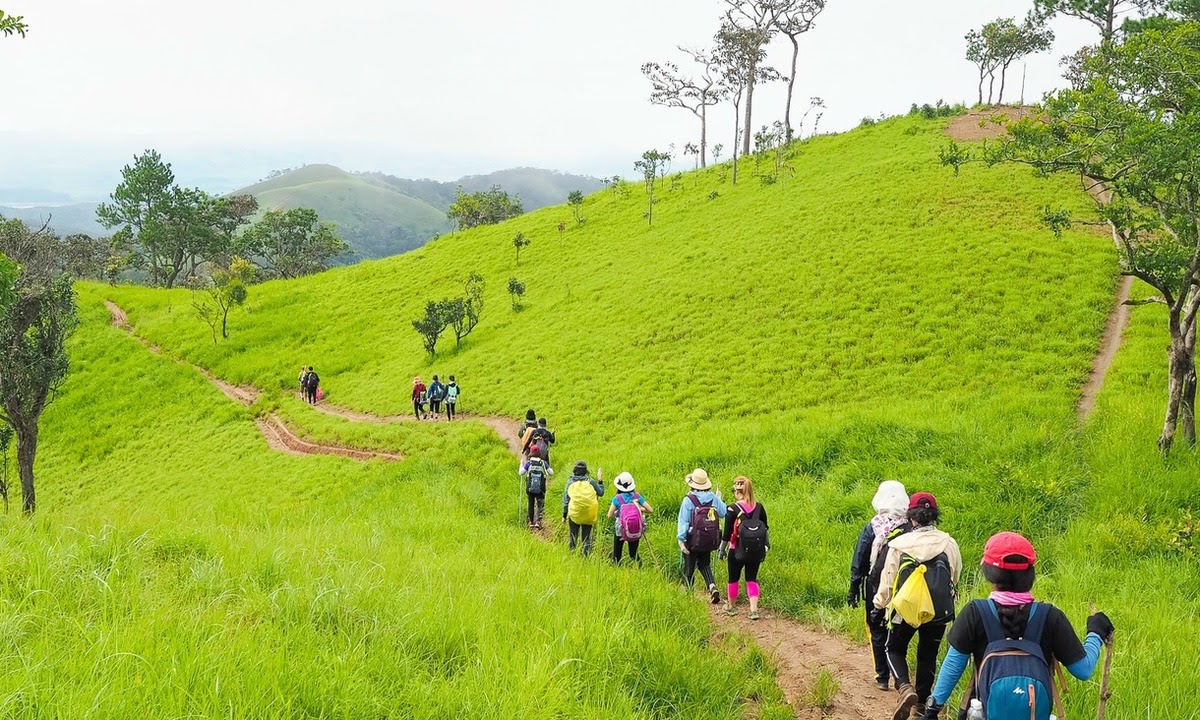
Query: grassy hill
[(866, 315), (538, 188)]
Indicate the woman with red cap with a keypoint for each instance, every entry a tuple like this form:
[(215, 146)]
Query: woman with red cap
[(1011, 614), (926, 545)]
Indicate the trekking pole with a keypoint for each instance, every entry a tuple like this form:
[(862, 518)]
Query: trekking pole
[(1108, 653)]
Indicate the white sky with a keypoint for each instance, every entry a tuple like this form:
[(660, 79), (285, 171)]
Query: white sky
[(230, 89)]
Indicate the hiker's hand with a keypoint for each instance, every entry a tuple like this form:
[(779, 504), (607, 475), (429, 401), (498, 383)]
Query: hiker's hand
[(853, 596), (1100, 624), (932, 710), (683, 548), (723, 551)]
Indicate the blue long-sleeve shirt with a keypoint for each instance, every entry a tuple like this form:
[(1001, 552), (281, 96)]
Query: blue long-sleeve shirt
[(596, 485), (686, 507)]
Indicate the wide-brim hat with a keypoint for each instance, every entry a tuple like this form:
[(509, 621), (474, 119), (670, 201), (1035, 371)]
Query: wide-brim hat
[(624, 482), (698, 480)]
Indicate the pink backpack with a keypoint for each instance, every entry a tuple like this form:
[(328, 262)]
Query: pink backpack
[(629, 519)]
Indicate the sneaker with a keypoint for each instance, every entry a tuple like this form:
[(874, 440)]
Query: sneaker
[(716, 596), (753, 615), (729, 610), (883, 685), (908, 698)]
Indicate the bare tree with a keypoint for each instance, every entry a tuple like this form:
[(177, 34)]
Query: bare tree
[(761, 18), (672, 88), (796, 17)]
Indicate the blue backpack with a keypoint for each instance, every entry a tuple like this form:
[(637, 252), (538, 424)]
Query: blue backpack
[(1014, 680)]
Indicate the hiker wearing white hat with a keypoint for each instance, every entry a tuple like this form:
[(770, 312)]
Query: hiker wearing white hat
[(627, 507), (891, 506), (699, 530)]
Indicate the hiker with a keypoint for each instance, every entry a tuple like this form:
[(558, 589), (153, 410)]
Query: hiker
[(581, 504), (313, 382), (303, 385), (537, 473), (418, 398), (699, 530), (628, 507), (525, 434), (922, 556), (891, 507), (452, 391), (437, 393), (744, 543), (1010, 619), (543, 436)]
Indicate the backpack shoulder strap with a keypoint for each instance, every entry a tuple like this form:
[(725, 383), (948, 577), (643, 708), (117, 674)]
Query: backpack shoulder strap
[(1036, 624), (990, 617), (695, 500)]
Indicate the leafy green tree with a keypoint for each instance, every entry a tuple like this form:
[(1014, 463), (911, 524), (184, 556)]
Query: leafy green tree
[(463, 312), (740, 53), (37, 315), (1000, 43), (516, 291), (12, 24), (575, 200), (486, 207), (760, 20), (1103, 14), (653, 165), (1131, 126), (519, 241), (223, 290), (796, 17), (291, 243), (432, 324), (671, 88), (138, 209)]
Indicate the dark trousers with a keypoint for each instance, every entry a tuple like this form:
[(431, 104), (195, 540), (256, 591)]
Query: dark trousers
[(702, 560), (929, 639), (435, 407), (618, 546), (736, 566), (576, 531), (879, 634), (537, 504), (450, 409), (418, 409)]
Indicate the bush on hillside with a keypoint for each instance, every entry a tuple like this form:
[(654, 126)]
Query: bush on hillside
[(940, 109)]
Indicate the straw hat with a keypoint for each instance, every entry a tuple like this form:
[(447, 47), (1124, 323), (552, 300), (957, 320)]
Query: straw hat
[(698, 480)]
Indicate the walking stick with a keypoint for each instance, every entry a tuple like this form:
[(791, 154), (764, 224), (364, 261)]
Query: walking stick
[(1108, 653)]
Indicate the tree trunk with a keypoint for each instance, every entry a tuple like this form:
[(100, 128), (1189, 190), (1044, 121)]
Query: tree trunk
[(737, 137), (787, 113), (225, 321), (27, 439), (703, 136), (991, 86), (982, 75), (1003, 77), (1181, 371), (749, 109)]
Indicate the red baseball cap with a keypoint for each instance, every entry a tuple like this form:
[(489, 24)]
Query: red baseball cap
[(922, 499), (1001, 546)]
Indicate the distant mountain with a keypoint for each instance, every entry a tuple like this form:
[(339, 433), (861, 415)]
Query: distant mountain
[(537, 188), (64, 219), (32, 196)]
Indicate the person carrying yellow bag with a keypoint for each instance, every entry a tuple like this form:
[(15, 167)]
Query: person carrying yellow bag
[(919, 588), (581, 505)]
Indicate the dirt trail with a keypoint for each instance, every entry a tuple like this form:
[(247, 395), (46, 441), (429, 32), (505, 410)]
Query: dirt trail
[(1110, 343), (801, 652), (274, 430)]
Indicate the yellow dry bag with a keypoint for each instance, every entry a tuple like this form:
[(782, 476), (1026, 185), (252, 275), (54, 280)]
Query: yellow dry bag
[(912, 601)]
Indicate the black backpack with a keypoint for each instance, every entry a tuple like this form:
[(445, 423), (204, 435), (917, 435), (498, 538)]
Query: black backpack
[(875, 576), (752, 536), (535, 477), (937, 577), (313, 380), (704, 534)]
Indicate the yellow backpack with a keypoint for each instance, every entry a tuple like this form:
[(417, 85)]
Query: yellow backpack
[(913, 601), (583, 505)]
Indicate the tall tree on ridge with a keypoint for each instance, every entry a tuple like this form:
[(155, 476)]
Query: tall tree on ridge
[(739, 54), (671, 88), (760, 18), (796, 18)]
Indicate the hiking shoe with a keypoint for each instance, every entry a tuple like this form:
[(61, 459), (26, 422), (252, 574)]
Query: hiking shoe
[(729, 610), (884, 685), (753, 615), (918, 712), (908, 698), (716, 596)]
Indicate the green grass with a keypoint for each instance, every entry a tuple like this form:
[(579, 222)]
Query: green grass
[(867, 316)]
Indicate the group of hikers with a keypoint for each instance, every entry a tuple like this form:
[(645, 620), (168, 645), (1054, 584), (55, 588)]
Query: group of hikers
[(907, 572), (435, 395), (903, 567), (310, 385), (705, 524)]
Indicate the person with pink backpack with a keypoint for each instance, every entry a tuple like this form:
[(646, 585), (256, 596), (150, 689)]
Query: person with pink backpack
[(628, 507)]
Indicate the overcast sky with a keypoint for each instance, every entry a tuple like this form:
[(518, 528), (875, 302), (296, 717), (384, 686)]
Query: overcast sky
[(230, 89)]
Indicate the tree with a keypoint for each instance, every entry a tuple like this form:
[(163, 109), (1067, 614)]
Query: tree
[(463, 312), (37, 315), (760, 18), (1103, 14), (979, 52), (138, 208), (1130, 126), (225, 289), (796, 17), (1002, 42), (290, 243), (519, 241), (12, 24), (671, 88), (6, 438), (575, 200), (740, 53), (432, 324), (486, 207), (653, 165), (516, 291)]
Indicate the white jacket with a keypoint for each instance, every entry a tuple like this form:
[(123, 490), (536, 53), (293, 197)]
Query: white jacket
[(923, 544)]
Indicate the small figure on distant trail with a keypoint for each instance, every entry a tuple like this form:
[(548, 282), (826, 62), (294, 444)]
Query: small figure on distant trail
[(922, 563), (628, 507), (452, 390), (437, 393), (581, 504), (311, 382), (418, 398), (303, 372), (1010, 619), (745, 543), (526, 432), (537, 473), (891, 508), (699, 530), (543, 437)]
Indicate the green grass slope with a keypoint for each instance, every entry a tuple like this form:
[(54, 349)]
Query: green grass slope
[(374, 218), (868, 315)]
